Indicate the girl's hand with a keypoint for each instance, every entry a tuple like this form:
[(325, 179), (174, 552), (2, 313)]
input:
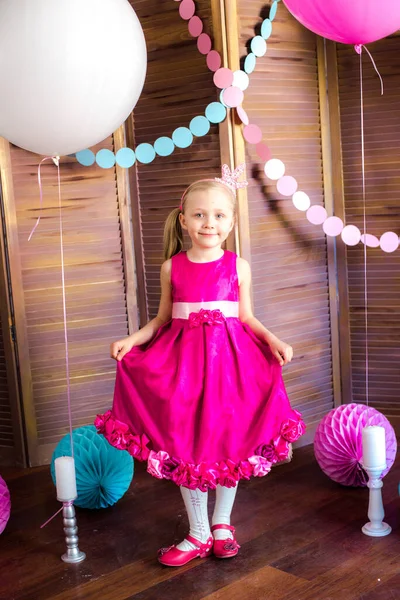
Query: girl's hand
[(120, 348), (282, 351)]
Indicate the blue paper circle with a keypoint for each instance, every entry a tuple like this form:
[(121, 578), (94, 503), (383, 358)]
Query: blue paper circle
[(182, 137), (272, 10), (164, 146), (85, 157), (105, 158), (250, 63), (125, 158), (145, 153), (258, 45), (215, 112), (199, 126), (103, 473), (266, 28)]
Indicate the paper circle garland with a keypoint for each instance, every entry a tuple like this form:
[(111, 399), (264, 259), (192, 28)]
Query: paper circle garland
[(5, 504), (233, 84), (103, 473), (338, 442)]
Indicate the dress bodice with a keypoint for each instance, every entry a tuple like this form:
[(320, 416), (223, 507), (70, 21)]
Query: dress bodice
[(204, 282)]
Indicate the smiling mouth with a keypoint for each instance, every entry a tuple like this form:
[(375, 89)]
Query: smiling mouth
[(208, 233)]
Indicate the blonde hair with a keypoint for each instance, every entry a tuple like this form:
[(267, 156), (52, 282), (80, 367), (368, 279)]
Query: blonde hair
[(173, 233)]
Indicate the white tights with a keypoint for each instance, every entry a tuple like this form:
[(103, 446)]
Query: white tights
[(196, 507)]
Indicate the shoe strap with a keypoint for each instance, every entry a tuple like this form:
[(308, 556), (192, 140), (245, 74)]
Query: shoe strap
[(195, 541), (223, 526)]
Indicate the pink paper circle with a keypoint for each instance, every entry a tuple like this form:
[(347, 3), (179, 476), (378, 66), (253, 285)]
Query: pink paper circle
[(213, 60), (187, 9), (252, 134), (223, 78), (263, 151), (233, 96), (316, 214), (204, 43), (351, 235), (389, 241), (370, 240), (195, 26), (332, 226), (287, 185), (242, 114)]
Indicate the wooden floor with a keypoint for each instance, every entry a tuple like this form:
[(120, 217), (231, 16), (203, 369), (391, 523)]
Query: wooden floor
[(300, 536)]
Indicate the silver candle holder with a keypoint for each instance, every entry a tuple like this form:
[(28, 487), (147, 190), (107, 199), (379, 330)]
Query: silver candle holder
[(73, 554)]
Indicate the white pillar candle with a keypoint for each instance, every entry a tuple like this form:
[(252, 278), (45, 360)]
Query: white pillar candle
[(65, 478), (374, 447)]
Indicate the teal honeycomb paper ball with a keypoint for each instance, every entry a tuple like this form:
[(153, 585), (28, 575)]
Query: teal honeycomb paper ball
[(103, 473)]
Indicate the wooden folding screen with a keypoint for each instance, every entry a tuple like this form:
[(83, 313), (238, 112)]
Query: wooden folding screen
[(178, 87), (95, 293), (382, 167), (288, 255)]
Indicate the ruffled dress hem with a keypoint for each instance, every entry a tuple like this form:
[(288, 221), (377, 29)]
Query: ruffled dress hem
[(204, 475)]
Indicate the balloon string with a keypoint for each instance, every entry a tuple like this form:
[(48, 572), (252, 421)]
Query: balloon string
[(69, 503), (56, 160), (365, 232), (64, 308), (40, 193), (375, 67)]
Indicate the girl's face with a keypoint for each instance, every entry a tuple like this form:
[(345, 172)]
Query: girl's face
[(208, 217)]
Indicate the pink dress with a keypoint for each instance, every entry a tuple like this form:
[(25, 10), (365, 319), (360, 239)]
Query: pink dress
[(203, 402)]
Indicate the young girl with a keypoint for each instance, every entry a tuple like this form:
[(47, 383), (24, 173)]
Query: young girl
[(199, 391)]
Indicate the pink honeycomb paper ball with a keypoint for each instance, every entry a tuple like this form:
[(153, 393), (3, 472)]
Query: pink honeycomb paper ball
[(338, 443), (5, 504)]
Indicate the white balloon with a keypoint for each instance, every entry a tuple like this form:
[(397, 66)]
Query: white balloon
[(71, 71)]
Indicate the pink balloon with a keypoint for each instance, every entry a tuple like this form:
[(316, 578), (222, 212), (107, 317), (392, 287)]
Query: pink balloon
[(316, 214), (287, 185), (333, 226), (348, 21), (389, 241)]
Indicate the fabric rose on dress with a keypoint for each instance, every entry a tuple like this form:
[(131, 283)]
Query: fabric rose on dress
[(261, 466), (211, 317), (267, 451), (207, 476), (137, 446), (292, 429), (117, 433), (155, 463), (228, 474), (101, 420), (169, 465), (244, 469)]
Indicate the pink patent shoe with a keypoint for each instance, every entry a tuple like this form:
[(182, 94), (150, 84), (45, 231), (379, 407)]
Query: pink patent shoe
[(172, 557), (227, 548)]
